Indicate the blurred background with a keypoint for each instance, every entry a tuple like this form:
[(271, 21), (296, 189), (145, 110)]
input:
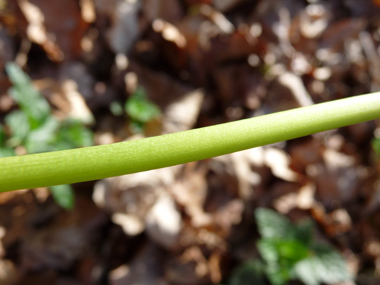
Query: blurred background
[(77, 73)]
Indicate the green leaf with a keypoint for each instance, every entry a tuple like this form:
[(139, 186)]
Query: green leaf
[(41, 139), (326, 266), (140, 109), (291, 251), (30, 100), (278, 275), (6, 152), (63, 195), (330, 265), (305, 272), (268, 251), (304, 231), (271, 224), (19, 127), (280, 256), (247, 273), (73, 134)]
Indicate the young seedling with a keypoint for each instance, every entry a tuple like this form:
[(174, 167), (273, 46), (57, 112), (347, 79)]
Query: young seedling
[(34, 129), (97, 162), (290, 252), (140, 110)]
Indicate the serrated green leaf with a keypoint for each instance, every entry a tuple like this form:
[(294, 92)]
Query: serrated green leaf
[(6, 152), (273, 225), (247, 273), (140, 109), (19, 126), (31, 102), (63, 195)]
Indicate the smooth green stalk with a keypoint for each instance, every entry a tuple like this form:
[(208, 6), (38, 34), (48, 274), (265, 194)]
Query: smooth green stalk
[(90, 163)]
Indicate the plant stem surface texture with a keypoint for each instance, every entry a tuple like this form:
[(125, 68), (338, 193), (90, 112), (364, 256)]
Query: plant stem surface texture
[(97, 162)]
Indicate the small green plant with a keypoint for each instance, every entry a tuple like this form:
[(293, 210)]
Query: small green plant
[(139, 110), (291, 252), (37, 130), (97, 162)]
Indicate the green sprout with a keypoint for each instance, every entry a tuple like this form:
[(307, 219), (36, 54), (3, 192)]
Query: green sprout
[(98, 162), (37, 130)]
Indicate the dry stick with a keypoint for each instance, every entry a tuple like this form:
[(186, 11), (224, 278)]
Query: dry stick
[(84, 164)]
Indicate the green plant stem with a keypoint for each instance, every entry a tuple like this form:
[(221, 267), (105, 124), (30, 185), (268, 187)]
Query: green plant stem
[(90, 163)]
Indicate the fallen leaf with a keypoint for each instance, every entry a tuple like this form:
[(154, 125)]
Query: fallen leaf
[(163, 222)]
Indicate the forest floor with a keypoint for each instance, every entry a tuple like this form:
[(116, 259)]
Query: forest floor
[(202, 62)]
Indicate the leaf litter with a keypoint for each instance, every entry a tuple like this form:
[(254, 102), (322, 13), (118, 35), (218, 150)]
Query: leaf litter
[(201, 62)]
